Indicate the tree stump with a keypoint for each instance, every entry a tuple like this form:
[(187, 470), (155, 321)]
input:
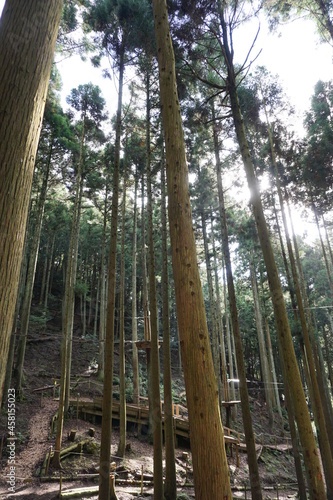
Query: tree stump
[(113, 495), (71, 435)]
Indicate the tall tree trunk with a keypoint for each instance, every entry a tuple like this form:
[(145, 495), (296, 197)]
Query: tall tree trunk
[(327, 266), (315, 370), (310, 452), (155, 362), (225, 386), (245, 403), (104, 464), (213, 319), (328, 357), (46, 260), (328, 241), (146, 315), (48, 274), (29, 285), (170, 485), (68, 309), (210, 467), (135, 357), (28, 32), (262, 346), (102, 294), (122, 392), (313, 380), (72, 269)]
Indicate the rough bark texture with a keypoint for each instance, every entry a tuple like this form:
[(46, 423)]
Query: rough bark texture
[(262, 346), (122, 390), (104, 461), (155, 361), (170, 485), (135, 357), (28, 32), (210, 467)]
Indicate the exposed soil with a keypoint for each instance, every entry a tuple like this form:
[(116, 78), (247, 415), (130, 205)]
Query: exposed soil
[(33, 439)]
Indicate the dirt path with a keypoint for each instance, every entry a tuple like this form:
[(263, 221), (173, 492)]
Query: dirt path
[(27, 460)]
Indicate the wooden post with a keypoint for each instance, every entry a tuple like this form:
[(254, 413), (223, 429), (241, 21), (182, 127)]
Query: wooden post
[(77, 410), (141, 479), (48, 462), (60, 484)]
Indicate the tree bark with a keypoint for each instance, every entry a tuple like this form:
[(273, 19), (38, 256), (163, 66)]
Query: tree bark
[(155, 362), (104, 467), (262, 345), (135, 357), (210, 467), (170, 485), (245, 403), (28, 291), (212, 311), (122, 392), (28, 32)]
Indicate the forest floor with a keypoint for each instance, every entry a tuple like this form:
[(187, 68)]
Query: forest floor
[(33, 438)]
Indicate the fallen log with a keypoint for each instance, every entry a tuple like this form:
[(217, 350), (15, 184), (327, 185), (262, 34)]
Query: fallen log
[(88, 491), (43, 388)]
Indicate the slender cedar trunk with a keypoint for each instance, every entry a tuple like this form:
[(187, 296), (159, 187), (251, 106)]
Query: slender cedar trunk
[(329, 276), (46, 260), (271, 357), (67, 319), (28, 32), (155, 362), (294, 440), (327, 241), (97, 307), (262, 346), (48, 275), (84, 312), (146, 315), (310, 452), (72, 268), (213, 319), (286, 265), (225, 387), (104, 466), (135, 357), (210, 467), (245, 403), (170, 485), (328, 358), (230, 340), (28, 291), (11, 353), (122, 403), (322, 427), (326, 404), (102, 292)]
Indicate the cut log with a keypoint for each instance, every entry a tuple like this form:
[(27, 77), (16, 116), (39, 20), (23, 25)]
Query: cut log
[(72, 435)]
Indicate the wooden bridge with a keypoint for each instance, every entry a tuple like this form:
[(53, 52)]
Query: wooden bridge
[(139, 415)]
